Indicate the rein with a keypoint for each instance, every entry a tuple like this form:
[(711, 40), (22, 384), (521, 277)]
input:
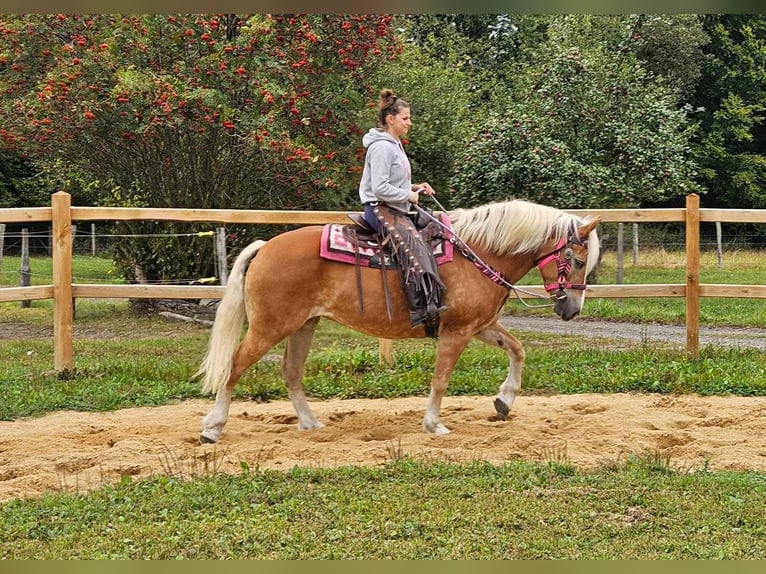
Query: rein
[(490, 272)]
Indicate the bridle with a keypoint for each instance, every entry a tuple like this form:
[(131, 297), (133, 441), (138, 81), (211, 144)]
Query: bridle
[(563, 264)]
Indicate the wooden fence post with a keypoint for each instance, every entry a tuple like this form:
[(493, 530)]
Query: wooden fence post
[(2, 244), (719, 243), (220, 255), (386, 351), (635, 244), (620, 260), (25, 271), (692, 275), (63, 313)]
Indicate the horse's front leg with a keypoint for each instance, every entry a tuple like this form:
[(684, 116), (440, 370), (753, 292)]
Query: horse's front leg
[(449, 350), (497, 336)]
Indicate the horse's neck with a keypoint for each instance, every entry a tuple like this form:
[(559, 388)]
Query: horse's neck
[(513, 267)]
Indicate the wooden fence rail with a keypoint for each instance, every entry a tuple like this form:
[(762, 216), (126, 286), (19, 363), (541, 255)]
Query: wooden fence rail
[(61, 215)]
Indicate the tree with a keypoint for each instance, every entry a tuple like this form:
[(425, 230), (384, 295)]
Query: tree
[(207, 111), (587, 126), (731, 146), (487, 47), (18, 186), (671, 46)]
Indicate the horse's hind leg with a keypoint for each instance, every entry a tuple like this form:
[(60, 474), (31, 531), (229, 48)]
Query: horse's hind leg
[(293, 361), (250, 350), (497, 336)]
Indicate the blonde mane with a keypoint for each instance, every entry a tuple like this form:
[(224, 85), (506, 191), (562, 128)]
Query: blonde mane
[(516, 226)]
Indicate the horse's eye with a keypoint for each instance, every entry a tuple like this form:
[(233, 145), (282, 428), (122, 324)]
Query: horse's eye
[(579, 263)]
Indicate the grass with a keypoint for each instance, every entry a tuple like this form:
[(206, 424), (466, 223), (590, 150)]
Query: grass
[(403, 510), (640, 507), (85, 269), (343, 364), (654, 266)]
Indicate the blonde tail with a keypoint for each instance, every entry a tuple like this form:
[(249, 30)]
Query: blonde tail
[(227, 328)]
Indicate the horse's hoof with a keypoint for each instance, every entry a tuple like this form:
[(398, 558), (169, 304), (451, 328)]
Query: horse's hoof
[(502, 409), (206, 439), (316, 425), (437, 430)]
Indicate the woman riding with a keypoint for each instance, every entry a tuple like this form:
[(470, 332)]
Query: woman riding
[(388, 194)]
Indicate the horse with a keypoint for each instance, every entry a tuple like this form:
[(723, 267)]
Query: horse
[(282, 287)]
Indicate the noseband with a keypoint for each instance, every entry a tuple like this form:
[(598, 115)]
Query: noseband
[(563, 265)]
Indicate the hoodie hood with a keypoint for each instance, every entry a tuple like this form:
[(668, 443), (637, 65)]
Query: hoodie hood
[(376, 135)]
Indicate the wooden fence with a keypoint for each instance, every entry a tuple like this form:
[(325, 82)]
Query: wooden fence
[(61, 215)]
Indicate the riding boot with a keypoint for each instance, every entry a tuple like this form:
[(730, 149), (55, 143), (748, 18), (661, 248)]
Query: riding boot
[(430, 287), (414, 303)]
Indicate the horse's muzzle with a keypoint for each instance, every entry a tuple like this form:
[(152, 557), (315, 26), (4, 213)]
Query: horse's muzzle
[(566, 308)]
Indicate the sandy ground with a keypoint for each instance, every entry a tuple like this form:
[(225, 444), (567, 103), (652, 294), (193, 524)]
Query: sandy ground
[(77, 452)]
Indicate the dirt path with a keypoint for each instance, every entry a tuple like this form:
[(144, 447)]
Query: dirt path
[(73, 451), (639, 332)]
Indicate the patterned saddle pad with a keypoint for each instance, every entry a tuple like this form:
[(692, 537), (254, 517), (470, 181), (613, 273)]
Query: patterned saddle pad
[(339, 243)]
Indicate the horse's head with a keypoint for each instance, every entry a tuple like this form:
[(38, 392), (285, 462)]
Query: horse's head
[(564, 264)]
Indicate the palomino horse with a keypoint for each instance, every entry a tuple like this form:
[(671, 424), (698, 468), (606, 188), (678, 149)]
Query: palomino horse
[(282, 287)]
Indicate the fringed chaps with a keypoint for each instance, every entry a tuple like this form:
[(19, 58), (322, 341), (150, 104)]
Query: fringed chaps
[(420, 280)]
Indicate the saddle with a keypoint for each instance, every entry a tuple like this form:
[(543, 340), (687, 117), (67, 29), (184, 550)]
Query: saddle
[(356, 243)]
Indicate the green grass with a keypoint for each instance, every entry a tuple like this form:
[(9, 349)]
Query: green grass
[(655, 266), (404, 510), (343, 364), (85, 269)]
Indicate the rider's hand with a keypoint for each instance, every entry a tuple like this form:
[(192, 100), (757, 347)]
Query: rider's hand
[(423, 188)]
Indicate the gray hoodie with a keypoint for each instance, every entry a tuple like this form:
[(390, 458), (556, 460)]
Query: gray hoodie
[(386, 176)]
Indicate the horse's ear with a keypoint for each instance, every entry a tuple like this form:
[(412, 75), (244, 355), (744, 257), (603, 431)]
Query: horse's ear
[(589, 225)]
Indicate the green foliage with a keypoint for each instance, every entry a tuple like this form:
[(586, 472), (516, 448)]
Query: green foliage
[(440, 100), (639, 509), (732, 168), (18, 187), (201, 111), (587, 127), (730, 95), (671, 46)]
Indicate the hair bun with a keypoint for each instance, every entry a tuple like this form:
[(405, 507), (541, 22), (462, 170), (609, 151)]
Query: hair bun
[(387, 98)]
